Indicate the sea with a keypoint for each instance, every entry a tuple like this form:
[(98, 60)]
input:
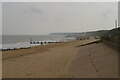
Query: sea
[(18, 41)]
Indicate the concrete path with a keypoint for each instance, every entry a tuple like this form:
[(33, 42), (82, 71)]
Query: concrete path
[(94, 61)]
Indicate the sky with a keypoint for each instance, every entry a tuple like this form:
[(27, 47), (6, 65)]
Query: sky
[(41, 18)]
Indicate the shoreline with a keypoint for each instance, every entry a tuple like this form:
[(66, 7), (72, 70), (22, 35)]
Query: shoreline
[(30, 50)]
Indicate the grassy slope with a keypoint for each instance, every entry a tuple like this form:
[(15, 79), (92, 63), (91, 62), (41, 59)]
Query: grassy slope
[(112, 35)]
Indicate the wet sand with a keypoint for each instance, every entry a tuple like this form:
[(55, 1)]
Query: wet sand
[(60, 60)]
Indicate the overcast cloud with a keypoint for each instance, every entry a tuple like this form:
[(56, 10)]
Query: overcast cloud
[(38, 18)]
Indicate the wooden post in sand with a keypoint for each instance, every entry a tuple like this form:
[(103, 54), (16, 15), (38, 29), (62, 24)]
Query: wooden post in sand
[(30, 40)]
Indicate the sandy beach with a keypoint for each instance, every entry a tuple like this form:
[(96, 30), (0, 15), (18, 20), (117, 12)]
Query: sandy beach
[(61, 60)]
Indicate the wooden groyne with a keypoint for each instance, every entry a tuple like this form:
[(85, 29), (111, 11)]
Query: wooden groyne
[(45, 42), (7, 49), (35, 42)]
